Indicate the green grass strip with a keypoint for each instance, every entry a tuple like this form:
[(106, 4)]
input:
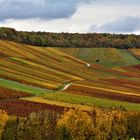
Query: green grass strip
[(128, 58), (22, 87), (91, 101)]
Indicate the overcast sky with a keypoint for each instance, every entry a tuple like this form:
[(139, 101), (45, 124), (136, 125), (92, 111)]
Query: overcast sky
[(113, 16)]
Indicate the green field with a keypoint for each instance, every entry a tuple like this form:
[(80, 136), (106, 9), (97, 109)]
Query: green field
[(109, 57), (128, 58), (22, 87), (85, 100)]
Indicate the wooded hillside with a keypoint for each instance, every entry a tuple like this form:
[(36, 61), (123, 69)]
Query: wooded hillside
[(89, 40)]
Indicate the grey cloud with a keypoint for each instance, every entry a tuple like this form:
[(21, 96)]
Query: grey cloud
[(120, 2), (45, 9), (127, 24)]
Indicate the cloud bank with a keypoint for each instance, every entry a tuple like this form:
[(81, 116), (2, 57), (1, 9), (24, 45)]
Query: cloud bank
[(128, 24), (114, 16), (43, 9)]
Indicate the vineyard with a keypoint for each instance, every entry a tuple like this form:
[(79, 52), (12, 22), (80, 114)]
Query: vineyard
[(25, 108), (35, 78), (6, 94), (104, 56)]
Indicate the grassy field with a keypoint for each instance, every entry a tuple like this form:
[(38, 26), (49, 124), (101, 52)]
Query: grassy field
[(104, 56), (22, 87), (39, 70), (128, 58), (90, 101)]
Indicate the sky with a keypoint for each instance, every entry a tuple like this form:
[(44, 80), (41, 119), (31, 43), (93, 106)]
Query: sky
[(82, 16)]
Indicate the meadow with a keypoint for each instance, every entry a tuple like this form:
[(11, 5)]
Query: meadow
[(103, 56)]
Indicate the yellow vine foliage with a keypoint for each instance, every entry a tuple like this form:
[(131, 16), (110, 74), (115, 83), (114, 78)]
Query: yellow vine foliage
[(119, 122), (3, 120), (102, 121), (99, 124), (78, 123)]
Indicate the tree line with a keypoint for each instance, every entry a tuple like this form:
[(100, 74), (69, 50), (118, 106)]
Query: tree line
[(73, 124), (89, 40)]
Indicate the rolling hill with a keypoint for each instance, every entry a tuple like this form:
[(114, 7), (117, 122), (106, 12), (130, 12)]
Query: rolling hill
[(68, 76)]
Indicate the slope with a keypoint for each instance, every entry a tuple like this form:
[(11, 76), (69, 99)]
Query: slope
[(109, 57), (38, 70)]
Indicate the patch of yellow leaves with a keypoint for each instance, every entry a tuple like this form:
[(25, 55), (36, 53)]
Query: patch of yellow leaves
[(58, 103)]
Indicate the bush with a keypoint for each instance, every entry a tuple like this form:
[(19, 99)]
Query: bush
[(37, 126), (102, 122), (99, 124), (133, 122), (119, 125), (75, 125), (10, 130)]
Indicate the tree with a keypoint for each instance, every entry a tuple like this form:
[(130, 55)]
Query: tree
[(38, 126), (3, 120), (75, 125), (102, 122), (133, 122)]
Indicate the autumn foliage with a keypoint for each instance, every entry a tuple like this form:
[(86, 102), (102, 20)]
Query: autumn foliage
[(71, 39), (77, 124), (99, 124), (73, 124), (3, 120)]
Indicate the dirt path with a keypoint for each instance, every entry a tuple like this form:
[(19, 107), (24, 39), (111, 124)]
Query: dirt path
[(66, 86)]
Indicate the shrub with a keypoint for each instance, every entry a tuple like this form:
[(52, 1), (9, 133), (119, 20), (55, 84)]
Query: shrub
[(119, 125), (37, 126), (75, 125), (102, 122), (10, 130), (133, 122)]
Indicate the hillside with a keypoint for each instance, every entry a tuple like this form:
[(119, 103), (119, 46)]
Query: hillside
[(54, 79), (69, 40), (109, 57)]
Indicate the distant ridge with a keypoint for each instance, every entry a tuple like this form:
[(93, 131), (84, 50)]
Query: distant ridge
[(72, 40)]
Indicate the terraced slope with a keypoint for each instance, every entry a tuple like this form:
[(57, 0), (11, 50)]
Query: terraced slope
[(43, 67), (38, 66), (109, 57), (37, 71)]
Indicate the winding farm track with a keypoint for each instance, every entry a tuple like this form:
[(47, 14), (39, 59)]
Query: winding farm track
[(66, 86)]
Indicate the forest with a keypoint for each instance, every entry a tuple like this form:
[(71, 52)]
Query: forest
[(89, 40)]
